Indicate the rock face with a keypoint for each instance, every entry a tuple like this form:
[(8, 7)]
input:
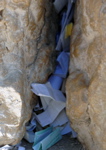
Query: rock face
[(86, 84), (27, 43)]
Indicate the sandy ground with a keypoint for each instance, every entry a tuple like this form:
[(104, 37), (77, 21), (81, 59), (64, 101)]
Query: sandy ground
[(67, 143)]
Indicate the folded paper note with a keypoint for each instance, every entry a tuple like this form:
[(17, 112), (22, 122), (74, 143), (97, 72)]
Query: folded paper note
[(32, 124), (63, 43), (60, 120), (63, 64), (67, 129), (45, 101), (69, 14), (40, 135), (29, 136), (21, 148), (59, 4), (55, 81), (47, 141), (53, 102), (46, 90), (68, 30), (50, 114)]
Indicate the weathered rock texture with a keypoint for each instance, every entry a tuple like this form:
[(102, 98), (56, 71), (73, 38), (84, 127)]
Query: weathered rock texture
[(86, 84), (26, 47)]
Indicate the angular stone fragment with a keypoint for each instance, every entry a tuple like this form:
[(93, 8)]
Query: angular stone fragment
[(86, 84), (27, 40)]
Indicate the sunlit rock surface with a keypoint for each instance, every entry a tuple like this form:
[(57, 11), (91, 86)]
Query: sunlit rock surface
[(27, 39), (86, 84)]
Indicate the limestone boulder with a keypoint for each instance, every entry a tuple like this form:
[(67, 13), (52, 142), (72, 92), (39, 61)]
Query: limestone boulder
[(86, 84), (27, 40)]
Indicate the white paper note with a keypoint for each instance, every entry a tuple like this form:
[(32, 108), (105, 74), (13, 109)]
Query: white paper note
[(46, 90), (50, 114), (59, 4), (61, 119)]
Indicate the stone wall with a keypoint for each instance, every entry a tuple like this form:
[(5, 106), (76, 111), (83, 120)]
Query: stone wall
[(86, 84), (27, 40)]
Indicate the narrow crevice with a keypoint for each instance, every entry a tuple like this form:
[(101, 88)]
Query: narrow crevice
[(1, 15)]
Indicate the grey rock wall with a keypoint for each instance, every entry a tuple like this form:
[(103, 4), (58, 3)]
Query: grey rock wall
[(27, 39), (86, 84)]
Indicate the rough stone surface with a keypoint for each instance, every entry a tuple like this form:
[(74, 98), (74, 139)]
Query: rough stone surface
[(86, 84), (26, 48)]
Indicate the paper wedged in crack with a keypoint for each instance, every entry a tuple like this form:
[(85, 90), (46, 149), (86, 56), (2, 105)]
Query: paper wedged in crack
[(26, 50)]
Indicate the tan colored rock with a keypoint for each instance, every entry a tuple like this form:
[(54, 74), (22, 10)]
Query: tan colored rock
[(27, 39), (86, 84)]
